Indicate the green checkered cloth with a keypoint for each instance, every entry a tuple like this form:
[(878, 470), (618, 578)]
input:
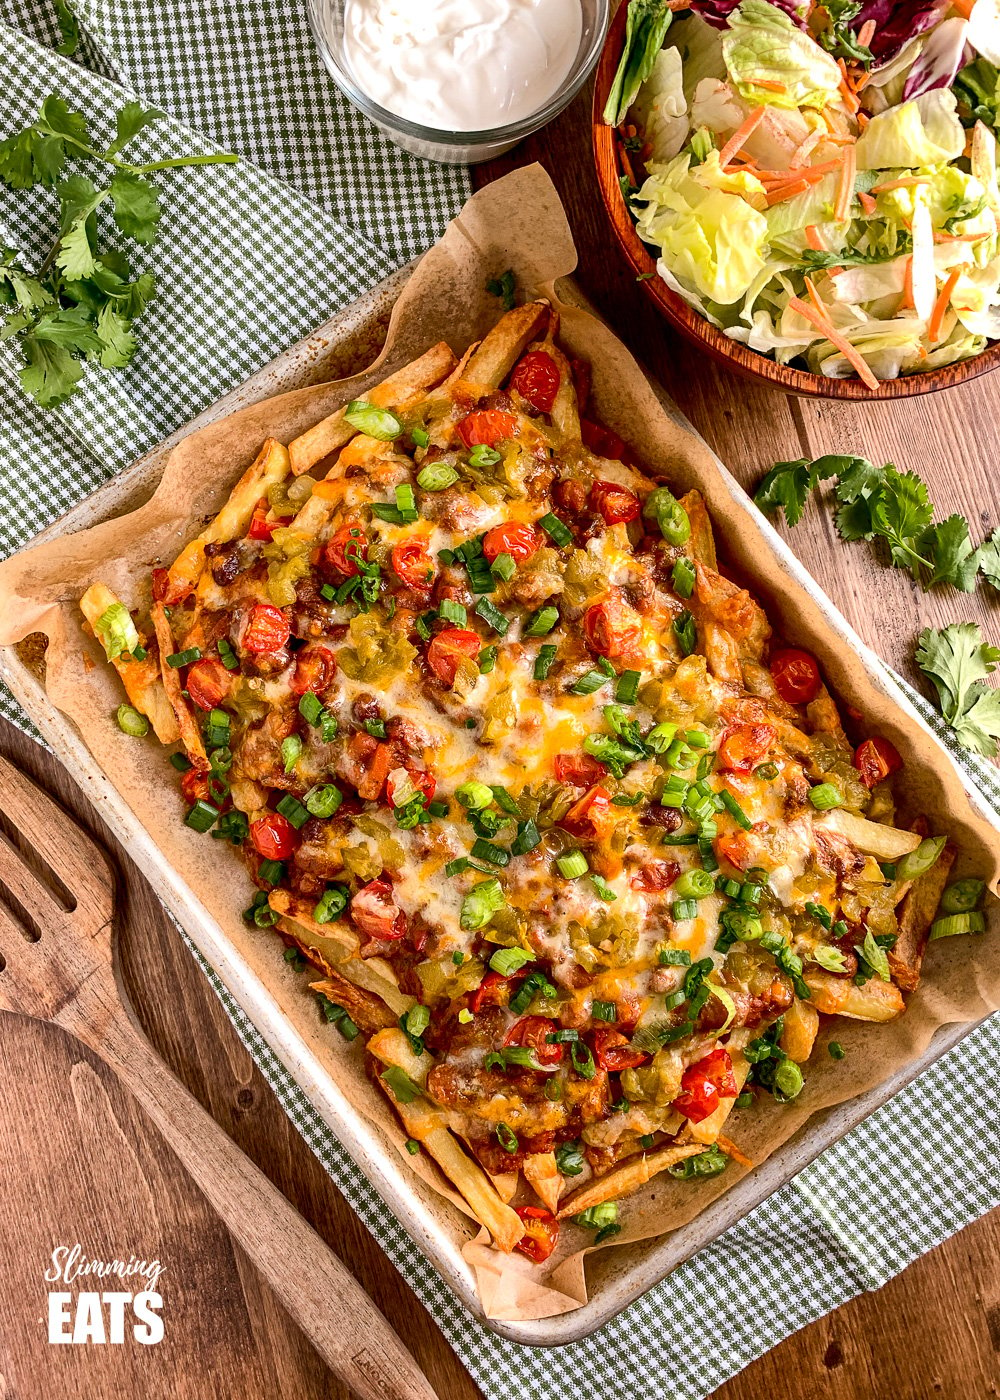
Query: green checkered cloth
[(249, 259)]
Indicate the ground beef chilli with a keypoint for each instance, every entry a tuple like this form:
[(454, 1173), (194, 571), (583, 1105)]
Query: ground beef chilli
[(522, 785)]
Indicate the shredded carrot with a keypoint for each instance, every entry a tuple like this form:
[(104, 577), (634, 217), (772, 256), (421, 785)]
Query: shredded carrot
[(866, 33), (812, 173), (850, 101), (867, 203), (941, 305), (813, 239), (862, 119), (941, 237), (769, 85), (905, 182), (783, 192), (861, 81), (842, 65), (845, 190), (964, 7), (834, 140), (630, 131), (740, 135), (827, 329), (816, 299), (627, 165), (906, 300), (646, 151), (731, 1150)]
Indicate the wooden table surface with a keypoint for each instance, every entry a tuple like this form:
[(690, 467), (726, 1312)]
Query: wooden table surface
[(78, 1161)]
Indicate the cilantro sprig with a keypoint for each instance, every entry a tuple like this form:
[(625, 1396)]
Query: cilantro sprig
[(957, 661), (81, 302), (883, 503)]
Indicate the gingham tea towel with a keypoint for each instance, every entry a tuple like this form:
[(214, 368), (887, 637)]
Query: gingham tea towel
[(248, 260)]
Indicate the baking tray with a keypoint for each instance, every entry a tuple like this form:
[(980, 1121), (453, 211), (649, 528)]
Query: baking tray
[(616, 1277)]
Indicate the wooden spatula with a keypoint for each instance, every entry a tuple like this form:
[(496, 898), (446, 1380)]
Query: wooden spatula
[(67, 976)]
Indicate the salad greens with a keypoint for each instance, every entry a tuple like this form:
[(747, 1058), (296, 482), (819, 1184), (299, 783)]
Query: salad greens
[(820, 180)]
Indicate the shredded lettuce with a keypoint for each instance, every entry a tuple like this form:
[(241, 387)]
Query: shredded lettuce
[(770, 60), (661, 108)]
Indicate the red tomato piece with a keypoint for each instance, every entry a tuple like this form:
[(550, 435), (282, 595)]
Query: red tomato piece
[(273, 836), (541, 1232), (704, 1083), (734, 847), (519, 541), (579, 769), (424, 782), (207, 683), (412, 563), (617, 504), (374, 912), (194, 786), (448, 648), (493, 990), (657, 875), (530, 1032), (743, 746), (613, 1052), (611, 628), (875, 759), (796, 676), (602, 441), (487, 426), (260, 527), (267, 630), (536, 379), (345, 549), (161, 584), (590, 819), (315, 668)]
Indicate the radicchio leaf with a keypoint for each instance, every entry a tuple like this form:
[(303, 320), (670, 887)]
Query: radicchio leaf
[(897, 22), (945, 51), (717, 12)]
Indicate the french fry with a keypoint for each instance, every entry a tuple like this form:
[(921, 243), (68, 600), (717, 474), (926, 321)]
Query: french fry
[(400, 391), (141, 679), (505, 1184), (187, 725), (369, 1012), (838, 996), (799, 1032), (504, 345), (425, 1123), (702, 543), (543, 1176), (233, 520), (338, 944), (823, 713), (872, 838), (914, 921), (627, 1177), (721, 652)]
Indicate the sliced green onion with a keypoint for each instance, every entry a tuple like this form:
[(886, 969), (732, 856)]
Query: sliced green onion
[(293, 811), (582, 1059), (436, 477), (504, 800), (527, 838), (961, 896), (558, 532), (597, 1217), (686, 632), (589, 682), (202, 816), (918, 862), (406, 502), (820, 913), (327, 726), (376, 728), (130, 721), (825, 796), (789, 1081), (541, 622), (627, 689), (486, 850), (291, 750), (683, 577), (507, 1138), (480, 904), (332, 901), (310, 707), (735, 810), (570, 1160), (373, 421), (323, 801), (227, 656), (503, 567), (602, 889), (660, 737), (474, 796), (416, 1020), (420, 436), (412, 1145), (572, 864), (767, 771), (697, 738), (117, 633), (492, 615), (487, 660), (450, 611), (708, 1163), (483, 456), (674, 957), (544, 661), (270, 872), (970, 921), (694, 884), (837, 1051), (604, 1011), (507, 961), (184, 658), (683, 910), (401, 1084)]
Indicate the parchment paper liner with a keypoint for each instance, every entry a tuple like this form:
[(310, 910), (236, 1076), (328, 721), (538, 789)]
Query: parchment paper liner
[(517, 222)]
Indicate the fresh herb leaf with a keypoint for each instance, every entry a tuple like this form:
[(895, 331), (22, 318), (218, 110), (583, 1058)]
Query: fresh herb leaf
[(950, 551), (957, 661), (69, 30), (900, 514), (504, 287), (788, 485), (646, 26), (137, 206)]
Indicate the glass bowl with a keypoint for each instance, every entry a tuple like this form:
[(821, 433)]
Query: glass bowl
[(453, 147)]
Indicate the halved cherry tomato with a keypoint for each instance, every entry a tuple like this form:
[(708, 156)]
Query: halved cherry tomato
[(875, 759), (704, 1083), (260, 527), (194, 786), (530, 1032), (375, 763), (424, 782), (208, 683), (345, 548), (611, 628), (590, 819), (273, 836), (602, 441), (536, 379), (734, 847), (448, 648), (374, 913), (796, 676), (267, 630), (161, 584), (617, 504), (519, 541), (315, 668), (657, 875), (579, 769), (743, 746), (613, 1052), (487, 426), (541, 1232), (493, 990), (412, 563)]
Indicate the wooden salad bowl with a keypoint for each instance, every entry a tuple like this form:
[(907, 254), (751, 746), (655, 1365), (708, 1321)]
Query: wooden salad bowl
[(607, 158)]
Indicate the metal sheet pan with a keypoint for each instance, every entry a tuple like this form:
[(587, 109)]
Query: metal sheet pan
[(616, 1277)]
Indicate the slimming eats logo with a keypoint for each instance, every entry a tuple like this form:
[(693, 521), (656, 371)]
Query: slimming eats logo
[(83, 1314)]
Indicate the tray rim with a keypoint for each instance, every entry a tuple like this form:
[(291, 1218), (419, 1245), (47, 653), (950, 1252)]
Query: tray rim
[(360, 1139)]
